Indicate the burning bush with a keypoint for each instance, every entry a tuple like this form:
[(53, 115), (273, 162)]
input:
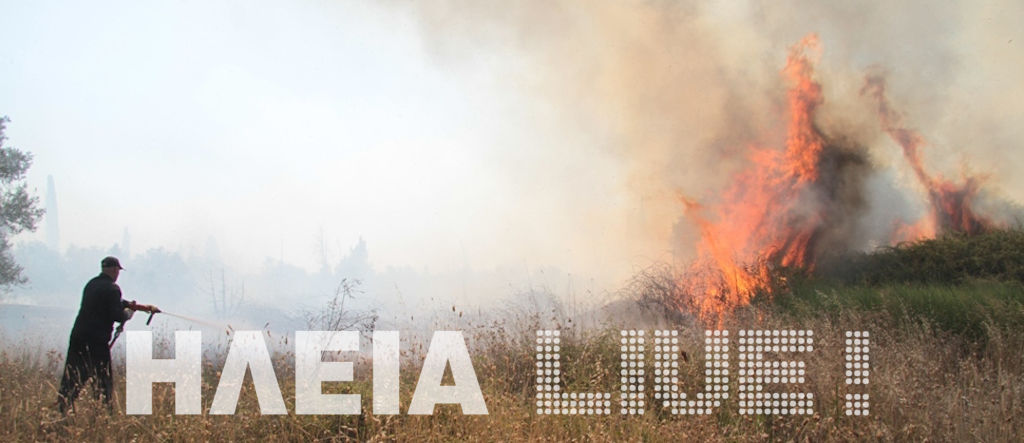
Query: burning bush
[(800, 205)]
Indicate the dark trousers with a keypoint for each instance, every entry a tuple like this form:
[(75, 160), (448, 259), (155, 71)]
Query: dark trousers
[(87, 359)]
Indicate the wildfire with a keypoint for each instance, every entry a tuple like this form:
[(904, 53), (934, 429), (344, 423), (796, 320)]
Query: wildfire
[(950, 203), (795, 204), (769, 215)]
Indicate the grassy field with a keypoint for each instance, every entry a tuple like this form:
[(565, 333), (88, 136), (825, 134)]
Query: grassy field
[(946, 366)]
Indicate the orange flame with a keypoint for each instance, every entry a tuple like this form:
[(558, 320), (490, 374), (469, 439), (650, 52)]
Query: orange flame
[(768, 217), (950, 203), (783, 210)]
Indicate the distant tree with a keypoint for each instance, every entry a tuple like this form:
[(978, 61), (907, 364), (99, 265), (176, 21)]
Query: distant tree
[(19, 211), (163, 277), (47, 270), (226, 298), (356, 265)]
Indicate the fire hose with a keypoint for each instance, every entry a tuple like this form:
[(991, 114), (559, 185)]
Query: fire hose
[(151, 309)]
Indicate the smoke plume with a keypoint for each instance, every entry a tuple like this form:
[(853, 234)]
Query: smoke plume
[(701, 101)]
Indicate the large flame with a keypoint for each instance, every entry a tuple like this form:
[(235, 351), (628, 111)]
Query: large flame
[(769, 215), (794, 205), (949, 203)]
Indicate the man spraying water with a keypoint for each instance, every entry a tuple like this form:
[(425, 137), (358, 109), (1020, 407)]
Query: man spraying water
[(89, 346)]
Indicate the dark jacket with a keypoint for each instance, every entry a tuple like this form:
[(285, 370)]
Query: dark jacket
[(101, 308)]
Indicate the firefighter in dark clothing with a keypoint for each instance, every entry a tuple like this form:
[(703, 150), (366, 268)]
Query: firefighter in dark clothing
[(88, 349)]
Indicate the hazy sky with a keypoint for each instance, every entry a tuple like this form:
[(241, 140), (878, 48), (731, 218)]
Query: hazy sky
[(454, 133), (263, 124)]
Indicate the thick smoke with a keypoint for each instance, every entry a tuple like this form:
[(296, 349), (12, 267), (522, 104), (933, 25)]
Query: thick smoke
[(677, 91)]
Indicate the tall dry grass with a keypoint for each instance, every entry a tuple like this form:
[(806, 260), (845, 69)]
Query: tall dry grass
[(926, 384)]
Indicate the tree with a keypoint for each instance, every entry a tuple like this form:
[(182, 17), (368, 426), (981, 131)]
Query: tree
[(226, 299), (19, 211)]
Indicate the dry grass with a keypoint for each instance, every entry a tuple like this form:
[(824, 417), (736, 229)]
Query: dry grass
[(927, 384)]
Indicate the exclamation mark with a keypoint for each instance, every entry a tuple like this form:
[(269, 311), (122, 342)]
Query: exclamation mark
[(858, 368)]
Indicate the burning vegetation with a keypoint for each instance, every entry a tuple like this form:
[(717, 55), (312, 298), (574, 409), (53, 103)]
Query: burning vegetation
[(949, 202), (796, 206)]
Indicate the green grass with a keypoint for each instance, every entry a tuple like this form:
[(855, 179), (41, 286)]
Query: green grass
[(966, 309), (956, 283), (951, 259)]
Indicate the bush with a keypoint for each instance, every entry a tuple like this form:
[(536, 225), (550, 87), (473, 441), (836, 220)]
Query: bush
[(952, 259)]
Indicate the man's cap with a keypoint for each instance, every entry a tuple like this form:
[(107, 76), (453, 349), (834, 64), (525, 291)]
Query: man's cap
[(110, 262)]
